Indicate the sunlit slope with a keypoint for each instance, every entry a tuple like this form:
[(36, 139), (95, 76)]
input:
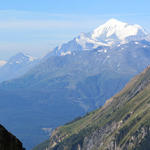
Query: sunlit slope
[(122, 123)]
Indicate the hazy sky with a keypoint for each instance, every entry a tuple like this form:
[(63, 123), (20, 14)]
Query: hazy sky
[(37, 26)]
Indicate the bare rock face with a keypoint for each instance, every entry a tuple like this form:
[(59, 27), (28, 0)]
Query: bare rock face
[(9, 141)]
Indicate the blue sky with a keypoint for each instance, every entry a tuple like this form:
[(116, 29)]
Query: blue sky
[(37, 26)]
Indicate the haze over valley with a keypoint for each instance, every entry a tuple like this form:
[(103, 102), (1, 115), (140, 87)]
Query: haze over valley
[(82, 88)]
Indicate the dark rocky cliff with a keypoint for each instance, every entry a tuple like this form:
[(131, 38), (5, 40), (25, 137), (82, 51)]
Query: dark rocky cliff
[(9, 141)]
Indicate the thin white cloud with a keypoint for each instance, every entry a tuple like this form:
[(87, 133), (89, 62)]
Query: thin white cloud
[(16, 20), (37, 24)]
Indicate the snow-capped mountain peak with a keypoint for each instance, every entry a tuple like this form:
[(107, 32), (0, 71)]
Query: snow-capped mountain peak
[(16, 66), (111, 33), (20, 58), (115, 30)]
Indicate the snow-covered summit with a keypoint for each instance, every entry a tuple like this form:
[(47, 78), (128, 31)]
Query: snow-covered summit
[(115, 29), (16, 66), (20, 58), (112, 32)]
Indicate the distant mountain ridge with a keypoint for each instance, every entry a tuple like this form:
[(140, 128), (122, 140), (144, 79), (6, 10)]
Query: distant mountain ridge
[(20, 58), (16, 66)]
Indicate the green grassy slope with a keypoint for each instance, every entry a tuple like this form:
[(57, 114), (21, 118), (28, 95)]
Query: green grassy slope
[(126, 117)]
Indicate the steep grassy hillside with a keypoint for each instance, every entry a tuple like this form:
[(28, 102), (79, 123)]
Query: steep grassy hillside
[(123, 123)]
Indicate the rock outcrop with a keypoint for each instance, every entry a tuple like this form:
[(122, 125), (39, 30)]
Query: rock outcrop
[(9, 141)]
